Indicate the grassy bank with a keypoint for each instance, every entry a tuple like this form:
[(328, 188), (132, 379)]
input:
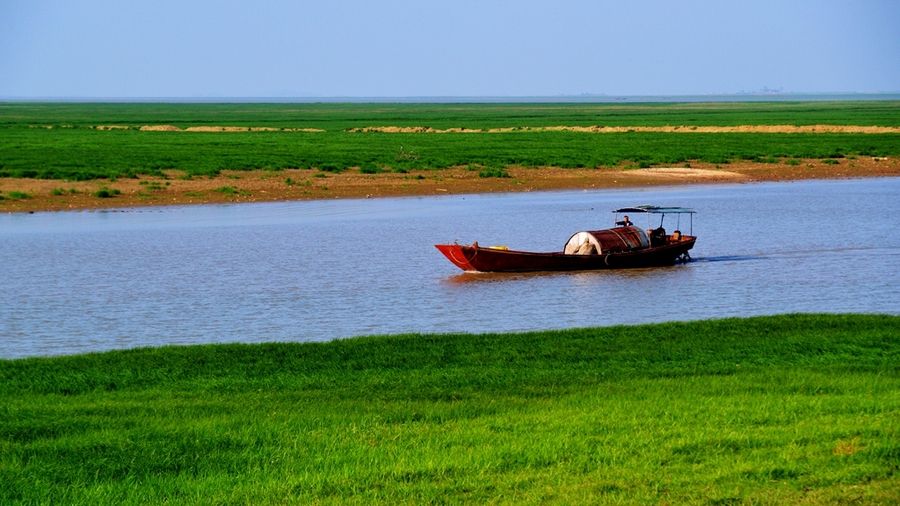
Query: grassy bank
[(764, 410), (337, 117), (61, 141)]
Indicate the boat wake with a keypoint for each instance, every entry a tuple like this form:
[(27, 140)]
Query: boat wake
[(728, 258), (799, 254)]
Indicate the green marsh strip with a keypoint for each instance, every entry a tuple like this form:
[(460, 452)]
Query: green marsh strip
[(61, 141), (89, 154)]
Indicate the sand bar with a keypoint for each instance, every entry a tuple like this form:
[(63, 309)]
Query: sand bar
[(780, 129)]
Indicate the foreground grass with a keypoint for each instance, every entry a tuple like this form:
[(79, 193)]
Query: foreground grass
[(798, 408), (58, 141)]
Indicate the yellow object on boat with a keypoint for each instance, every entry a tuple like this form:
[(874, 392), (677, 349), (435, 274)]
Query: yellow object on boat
[(500, 247)]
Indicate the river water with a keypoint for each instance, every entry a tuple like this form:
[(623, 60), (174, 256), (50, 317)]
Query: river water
[(311, 271)]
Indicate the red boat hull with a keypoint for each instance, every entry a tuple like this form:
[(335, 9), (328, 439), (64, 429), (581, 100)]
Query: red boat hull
[(477, 259)]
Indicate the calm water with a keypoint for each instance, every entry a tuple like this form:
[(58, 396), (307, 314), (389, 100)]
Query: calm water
[(310, 271)]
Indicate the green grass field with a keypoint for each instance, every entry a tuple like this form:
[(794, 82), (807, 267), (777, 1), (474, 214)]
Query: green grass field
[(771, 410), (73, 149), (341, 116)]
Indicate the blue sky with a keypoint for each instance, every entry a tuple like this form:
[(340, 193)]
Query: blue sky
[(393, 48)]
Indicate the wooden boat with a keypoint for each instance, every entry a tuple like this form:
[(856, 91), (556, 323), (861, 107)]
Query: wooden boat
[(623, 246)]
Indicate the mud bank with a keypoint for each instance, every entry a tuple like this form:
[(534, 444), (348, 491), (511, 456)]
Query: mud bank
[(28, 195)]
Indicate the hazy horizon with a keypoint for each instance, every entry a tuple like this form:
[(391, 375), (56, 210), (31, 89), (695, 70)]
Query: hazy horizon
[(400, 49), (734, 97)]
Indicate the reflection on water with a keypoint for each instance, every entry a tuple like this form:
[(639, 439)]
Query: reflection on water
[(309, 271), (572, 276)]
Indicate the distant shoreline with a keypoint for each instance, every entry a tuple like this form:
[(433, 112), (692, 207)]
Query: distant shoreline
[(305, 184), (68, 156)]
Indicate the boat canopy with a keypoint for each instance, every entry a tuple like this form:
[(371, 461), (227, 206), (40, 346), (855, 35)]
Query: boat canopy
[(656, 210), (659, 211)]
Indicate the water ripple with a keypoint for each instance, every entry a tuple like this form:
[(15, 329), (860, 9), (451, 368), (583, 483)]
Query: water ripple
[(313, 271)]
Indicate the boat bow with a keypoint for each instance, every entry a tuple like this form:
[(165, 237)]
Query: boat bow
[(456, 254)]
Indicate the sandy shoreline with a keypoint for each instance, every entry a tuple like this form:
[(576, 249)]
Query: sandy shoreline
[(684, 129), (30, 195)]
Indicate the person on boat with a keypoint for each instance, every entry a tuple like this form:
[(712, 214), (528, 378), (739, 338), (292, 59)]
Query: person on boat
[(625, 222), (658, 236)]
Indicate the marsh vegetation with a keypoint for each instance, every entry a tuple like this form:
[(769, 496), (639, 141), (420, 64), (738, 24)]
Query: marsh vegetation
[(65, 141)]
